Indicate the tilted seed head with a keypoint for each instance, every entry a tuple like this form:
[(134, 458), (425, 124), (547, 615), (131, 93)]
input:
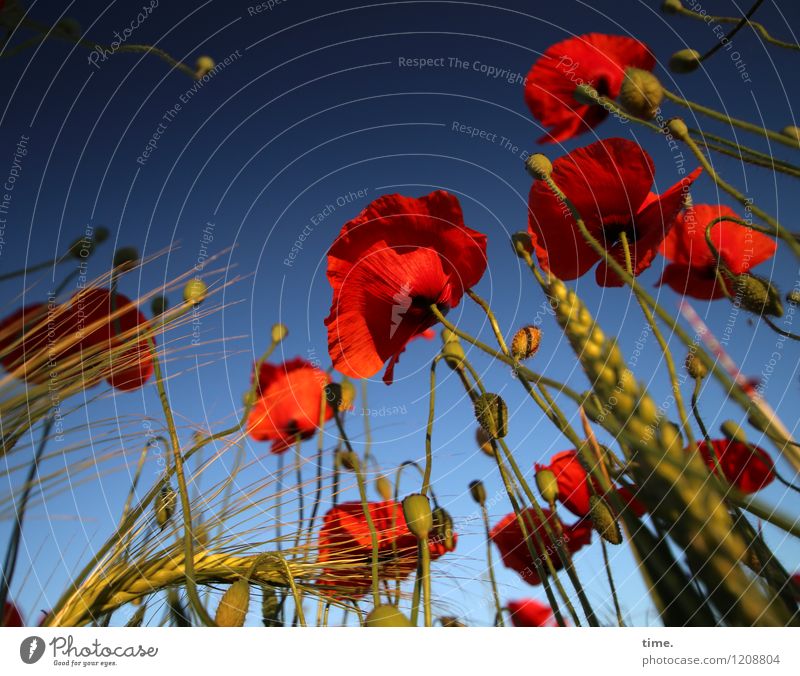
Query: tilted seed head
[(492, 414), (603, 520), (525, 342), (232, 608)]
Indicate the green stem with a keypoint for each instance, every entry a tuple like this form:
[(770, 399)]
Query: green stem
[(612, 586), (425, 568), (426, 477), (367, 427), (490, 567)]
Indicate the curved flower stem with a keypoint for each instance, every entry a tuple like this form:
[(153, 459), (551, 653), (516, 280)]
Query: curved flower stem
[(490, 568), (426, 476), (778, 329), (177, 457), (279, 504), (298, 468), (612, 586), (367, 426), (425, 571), (743, 153), (320, 447), (739, 25), (362, 490), (670, 363)]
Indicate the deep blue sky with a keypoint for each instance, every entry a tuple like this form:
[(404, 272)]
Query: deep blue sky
[(313, 108)]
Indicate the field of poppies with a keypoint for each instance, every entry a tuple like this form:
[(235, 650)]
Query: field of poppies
[(336, 534)]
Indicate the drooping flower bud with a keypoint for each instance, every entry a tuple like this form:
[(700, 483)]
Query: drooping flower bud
[(443, 528), (203, 66), (604, 522), (585, 94), (453, 354), (521, 243), (333, 395), (448, 335), (677, 127), (695, 367), (792, 132), (793, 297), (547, 484), (386, 616), (671, 6), (478, 491), (731, 431), (684, 61), (347, 460), (492, 414), (757, 295), (165, 505), (279, 332), (270, 608), (195, 291), (232, 608), (125, 258), (525, 342), (100, 234), (484, 442), (384, 487), (539, 166), (418, 514), (641, 93), (348, 394), (159, 305)]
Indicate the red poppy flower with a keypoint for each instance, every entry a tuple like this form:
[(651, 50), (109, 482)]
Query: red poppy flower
[(11, 616), (531, 613), (745, 466), (507, 535), (595, 59), (345, 547), (24, 338), (387, 267), (692, 270), (289, 401), (573, 489), (609, 184)]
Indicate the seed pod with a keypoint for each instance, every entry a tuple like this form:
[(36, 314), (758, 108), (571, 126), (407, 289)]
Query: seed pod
[(384, 487), (677, 127), (232, 608), (165, 505), (159, 305), (539, 166), (448, 335), (348, 394), (100, 234), (792, 132), (418, 515), (270, 608), (125, 258), (641, 93), (203, 66), (604, 522), (333, 395), (547, 484), (386, 616), (757, 295), (731, 431), (671, 6), (453, 354), (195, 291), (684, 61), (279, 332), (478, 491), (525, 342), (448, 621), (484, 442), (443, 528), (695, 367), (492, 414), (521, 243), (347, 460)]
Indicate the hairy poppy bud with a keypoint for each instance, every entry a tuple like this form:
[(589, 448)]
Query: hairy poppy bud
[(792, 132), (203, 66), (604, 522), (443, 528), (641, 93), (333, 395), (165, 505), (478, 491), (232, 608), (695, 367), (100, 234), (539, 166), (757, 295), (671, 6), (125, 258), (279, 332), (684, 61), (159, 305), (386, 616), (521, 243), (793, 297), (585, 94), (733, 432), (384, 487), (492, 413), (484, 442), (348, 394), (348, 460), (547, 484), (195, 291), (453, 354), (417, 511), (525, 342), (677, 127)]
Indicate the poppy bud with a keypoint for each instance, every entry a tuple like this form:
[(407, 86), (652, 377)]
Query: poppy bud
[(453, 354), (547, 484), (539, 166), (793, 297), (125, 258), (521, 243), (347, 460), (695, 367), (195, 291), (448, 621), (641, 93), (757, 295), (448, 335), (279, 332), (384, 487), (333, 395), (492, 413), (484, 442), (100, 234), (386, 616), (604, 522), (684, 61), (232, 608), (417, 511), (732, 432), (671, 6), (348, 394), (443, 528), (792, 132), (203, 66), (478, 491), (585, 94), (270, 608), (677, 127), (159, 305), (525, 342), (83, 247), (69, 27), (165, 505)]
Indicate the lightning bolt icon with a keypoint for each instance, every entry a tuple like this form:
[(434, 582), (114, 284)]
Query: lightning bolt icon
[(32, 648)]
